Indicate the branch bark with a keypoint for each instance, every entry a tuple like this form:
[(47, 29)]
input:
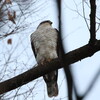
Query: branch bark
[(69, 81), (92, 22), (36, 72)]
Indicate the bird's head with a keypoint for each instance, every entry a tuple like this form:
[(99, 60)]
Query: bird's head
[(46, 22)]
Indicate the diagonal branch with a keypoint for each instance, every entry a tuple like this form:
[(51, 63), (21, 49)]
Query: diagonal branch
[(26, 77), (92, 84), (89, 88)]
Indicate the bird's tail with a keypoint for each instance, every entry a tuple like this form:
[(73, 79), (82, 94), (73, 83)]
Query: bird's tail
[(52, 89), (51, 82)]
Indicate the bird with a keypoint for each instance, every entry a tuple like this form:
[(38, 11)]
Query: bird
[(45, 46)]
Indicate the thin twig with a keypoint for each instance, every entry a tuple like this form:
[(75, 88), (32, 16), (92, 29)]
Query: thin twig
[(84, 15)]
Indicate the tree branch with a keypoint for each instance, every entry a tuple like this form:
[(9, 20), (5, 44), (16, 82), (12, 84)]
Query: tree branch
[(92, 83), (69, 81), (92, 22), (36, 72)]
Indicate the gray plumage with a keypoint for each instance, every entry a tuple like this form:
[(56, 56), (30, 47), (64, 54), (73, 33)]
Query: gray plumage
[(44, 43)]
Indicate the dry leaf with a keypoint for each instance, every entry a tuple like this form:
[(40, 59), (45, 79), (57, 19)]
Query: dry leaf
[(9, 41), (8, 1), (10, 17)]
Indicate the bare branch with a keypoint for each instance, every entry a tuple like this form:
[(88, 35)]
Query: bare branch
[(66, 67), (26, 77), (84, 15), (92, 83), (92, 21)]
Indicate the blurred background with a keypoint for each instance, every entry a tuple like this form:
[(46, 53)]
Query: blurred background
[(20, 18)]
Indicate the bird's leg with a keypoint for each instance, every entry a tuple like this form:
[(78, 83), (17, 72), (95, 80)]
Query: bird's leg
[(44, 61)]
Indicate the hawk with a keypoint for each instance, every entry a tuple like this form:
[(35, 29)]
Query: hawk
[(44, 42)]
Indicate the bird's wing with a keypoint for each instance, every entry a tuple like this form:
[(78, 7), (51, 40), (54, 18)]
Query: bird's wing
[(33, 48), (58, 44)]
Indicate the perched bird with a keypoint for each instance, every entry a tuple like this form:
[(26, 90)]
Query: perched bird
[(44, 42)]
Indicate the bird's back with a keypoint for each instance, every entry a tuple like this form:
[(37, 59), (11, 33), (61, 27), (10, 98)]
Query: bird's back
[(45, 42)]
